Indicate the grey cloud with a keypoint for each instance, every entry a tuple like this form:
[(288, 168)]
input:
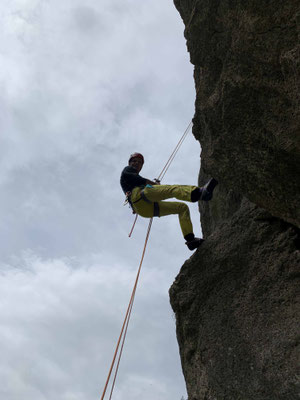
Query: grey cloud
[(62, 319), (82, 88), (87, 20)]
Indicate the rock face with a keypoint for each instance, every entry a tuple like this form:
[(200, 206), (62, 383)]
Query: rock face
[(236, 299)]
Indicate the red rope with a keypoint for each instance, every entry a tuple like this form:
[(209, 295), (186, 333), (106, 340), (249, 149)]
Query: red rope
[(175, 151), (126, 320), (130, 233), (121, 351)]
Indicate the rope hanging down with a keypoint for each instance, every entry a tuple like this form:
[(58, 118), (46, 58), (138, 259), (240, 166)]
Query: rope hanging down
[(126, 322), (124, 328)]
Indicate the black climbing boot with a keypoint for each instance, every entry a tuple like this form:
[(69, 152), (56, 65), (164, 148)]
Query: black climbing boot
[(207, 190), (195, 195), (192, 242), (204, 193)]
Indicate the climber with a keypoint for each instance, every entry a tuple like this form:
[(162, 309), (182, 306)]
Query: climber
[(146, 197)]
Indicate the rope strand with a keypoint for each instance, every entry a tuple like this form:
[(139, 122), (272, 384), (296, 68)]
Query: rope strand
[(130, 233), (175, 151), (128, 312), (121, 351)]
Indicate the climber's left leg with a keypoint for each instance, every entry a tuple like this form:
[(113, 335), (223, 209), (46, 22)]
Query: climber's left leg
[(183, 212), (175, 207)]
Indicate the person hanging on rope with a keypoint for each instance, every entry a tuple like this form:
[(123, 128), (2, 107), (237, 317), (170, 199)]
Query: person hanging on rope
[(146, 197)]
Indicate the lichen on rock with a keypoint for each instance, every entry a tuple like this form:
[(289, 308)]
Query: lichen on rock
[(235, 300)]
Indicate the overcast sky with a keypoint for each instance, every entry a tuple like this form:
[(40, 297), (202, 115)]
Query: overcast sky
[(83, 85)]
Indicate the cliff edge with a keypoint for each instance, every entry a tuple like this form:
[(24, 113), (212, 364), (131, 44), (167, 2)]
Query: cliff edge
[(236, 299)]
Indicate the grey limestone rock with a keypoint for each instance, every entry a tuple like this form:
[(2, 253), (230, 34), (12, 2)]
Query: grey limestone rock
[(236, 299)]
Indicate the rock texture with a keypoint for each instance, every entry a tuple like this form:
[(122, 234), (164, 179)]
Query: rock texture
[(237, 299)]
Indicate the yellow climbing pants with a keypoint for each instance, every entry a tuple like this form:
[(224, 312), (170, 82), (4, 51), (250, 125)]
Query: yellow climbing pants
[(156, 194)]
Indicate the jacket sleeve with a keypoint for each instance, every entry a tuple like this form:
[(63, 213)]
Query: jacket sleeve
[(133, 178)]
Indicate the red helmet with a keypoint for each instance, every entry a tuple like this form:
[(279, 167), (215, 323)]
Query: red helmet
[(136, 155)]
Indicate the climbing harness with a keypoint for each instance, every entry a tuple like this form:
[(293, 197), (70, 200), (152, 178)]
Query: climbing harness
[(124, 328), (143, 197)]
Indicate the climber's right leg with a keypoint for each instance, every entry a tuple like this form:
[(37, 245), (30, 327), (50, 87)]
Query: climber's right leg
[(163, 192), (180, 192)]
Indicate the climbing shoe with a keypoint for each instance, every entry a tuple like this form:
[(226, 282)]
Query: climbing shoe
[(195, 195), (204, 193), (207, 190), (192, 242)]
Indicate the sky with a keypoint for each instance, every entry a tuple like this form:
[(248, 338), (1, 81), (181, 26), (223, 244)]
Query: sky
[(84, 85)]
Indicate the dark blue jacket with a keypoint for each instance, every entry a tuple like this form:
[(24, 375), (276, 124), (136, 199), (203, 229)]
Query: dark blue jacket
[(130, 179)]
